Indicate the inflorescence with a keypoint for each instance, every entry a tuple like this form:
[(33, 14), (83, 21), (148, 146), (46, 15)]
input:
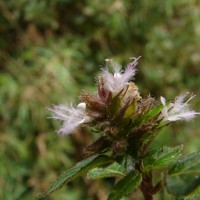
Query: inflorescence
[(126, 121)]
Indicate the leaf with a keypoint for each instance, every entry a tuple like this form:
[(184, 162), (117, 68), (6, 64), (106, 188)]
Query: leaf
[(125, 185), (152, 113), (116, 104), (181, 185), (147, 116), (162, 157), (184, 180), (111, 171), (76, 171), (187, 164), (195, 195), (127, 161)]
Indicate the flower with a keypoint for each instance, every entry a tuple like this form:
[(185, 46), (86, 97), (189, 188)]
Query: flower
[(71, 117), (116, 82), (179, 110)]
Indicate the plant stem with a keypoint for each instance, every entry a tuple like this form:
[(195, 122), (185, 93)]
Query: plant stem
[(147, 186)]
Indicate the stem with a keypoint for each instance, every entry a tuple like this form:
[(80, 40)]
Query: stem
[(146, 186)]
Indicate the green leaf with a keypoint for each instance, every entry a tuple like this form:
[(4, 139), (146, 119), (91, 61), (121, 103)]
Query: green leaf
[(116, 104), (162, 157), (187, 164), (147, 116), (152, 113), (76, 171), (195, 195), (111, 171), (182, 185), (125, 185)]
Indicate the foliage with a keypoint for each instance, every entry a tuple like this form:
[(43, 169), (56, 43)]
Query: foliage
[(78, 170)]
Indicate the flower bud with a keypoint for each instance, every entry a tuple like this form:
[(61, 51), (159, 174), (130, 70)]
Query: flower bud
[(130, 96), (119, 147)]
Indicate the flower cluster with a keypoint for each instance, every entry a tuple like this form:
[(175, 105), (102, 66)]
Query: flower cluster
[(127, 122)]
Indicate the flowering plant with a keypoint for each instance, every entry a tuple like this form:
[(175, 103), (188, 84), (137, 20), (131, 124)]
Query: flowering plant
[(127, 124)]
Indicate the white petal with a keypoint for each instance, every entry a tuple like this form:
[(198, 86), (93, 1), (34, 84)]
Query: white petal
[(179, 110), (70, 116), (117, 81), (163, 101), (81, 106)]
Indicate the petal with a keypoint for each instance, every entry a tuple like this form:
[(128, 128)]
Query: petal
[(81, 106), (163, 101)]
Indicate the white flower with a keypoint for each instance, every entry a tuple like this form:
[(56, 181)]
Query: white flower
[(119, 80), (71, 117), (179, 110)]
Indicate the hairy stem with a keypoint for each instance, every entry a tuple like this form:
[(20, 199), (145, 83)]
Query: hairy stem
[(146, 186)]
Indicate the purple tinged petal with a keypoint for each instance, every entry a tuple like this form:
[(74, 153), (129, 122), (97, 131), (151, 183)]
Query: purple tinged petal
[(71, 117), (119, 80), (179, 110)]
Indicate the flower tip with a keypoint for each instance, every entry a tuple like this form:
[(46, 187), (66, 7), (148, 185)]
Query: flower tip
[(81, 106), (107, 60), (192, 96), (163, 101), (135, 59)]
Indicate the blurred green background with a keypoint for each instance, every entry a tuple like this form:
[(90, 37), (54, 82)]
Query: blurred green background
[(52, 49)]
